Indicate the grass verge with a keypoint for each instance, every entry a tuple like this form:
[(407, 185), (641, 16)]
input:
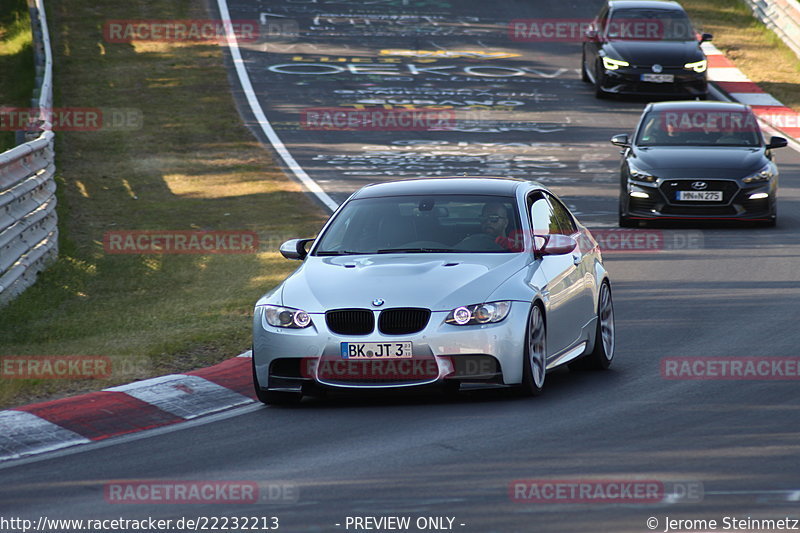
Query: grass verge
[(191, 165), (17, 70), (756, 50)]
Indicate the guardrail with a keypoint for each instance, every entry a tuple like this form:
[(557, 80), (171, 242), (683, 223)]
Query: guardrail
[(28, 223), (782, 17)]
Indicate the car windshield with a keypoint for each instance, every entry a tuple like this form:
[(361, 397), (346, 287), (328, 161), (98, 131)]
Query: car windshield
[(650, 25), (423, 224), (699, 127)]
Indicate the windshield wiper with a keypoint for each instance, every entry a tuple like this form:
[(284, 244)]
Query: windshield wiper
[(414, 250), (339, 252)]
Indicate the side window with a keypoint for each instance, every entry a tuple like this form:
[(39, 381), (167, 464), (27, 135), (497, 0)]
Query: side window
[(562, 218), (541, 215), (649, 128)]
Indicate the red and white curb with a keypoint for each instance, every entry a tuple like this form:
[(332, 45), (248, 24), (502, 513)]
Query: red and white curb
[(162, 401), (724, 74)]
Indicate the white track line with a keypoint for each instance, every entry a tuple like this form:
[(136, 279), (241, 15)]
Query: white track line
[(258, 112)]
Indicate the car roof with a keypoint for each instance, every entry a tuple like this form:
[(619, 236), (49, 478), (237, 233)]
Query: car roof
[(708, 105), (644, 4), (494, 186)]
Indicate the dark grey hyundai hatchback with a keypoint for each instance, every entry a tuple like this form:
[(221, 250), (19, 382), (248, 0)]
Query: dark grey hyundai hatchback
[(698, 160)]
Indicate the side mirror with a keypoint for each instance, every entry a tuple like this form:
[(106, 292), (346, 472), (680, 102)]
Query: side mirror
[(591, 34), (557, 244), (621, 140), (295, 248), (706, 37), (777, 142)]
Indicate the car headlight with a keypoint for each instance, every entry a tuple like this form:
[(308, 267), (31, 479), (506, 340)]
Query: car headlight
[(487, 313), (765, 174), (640, 175), (286, 317), (614, 64), (697, 66)]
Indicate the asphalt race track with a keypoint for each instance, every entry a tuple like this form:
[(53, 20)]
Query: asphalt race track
[(708, 292)]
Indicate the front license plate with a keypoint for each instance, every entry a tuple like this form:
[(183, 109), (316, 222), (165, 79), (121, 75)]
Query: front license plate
[(700, 196), (376, 350), (658, 78)]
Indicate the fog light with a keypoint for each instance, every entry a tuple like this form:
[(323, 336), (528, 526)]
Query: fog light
[(639, 194), (759, 195)]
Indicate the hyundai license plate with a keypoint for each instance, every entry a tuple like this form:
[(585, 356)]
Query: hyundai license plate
[(700, 196)]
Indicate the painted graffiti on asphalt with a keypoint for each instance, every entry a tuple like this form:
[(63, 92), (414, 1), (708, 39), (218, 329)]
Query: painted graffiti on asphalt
[(412, 70), (448, 54), (445, 158)]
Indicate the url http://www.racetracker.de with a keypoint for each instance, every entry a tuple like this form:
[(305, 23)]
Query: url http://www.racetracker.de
[(149, 524)]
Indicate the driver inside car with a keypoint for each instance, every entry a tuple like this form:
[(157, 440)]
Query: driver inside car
[(494, 222)]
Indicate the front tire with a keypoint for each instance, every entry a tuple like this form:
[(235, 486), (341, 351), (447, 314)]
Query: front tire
[(599, 93), (584, 74), (535, 361)]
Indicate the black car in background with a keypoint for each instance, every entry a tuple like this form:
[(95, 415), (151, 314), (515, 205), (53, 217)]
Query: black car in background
[(644, 47), (698, 161)]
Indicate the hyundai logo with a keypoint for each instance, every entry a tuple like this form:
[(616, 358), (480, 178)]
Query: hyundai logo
[(699, 185), (377, 302), (657, 68)]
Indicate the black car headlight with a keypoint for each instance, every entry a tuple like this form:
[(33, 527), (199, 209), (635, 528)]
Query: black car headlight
[(640, 175), (614, 64), (286, 317), (765, 174), (697, 66), (487, 313)]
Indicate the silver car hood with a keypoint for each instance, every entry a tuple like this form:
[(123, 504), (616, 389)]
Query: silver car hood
[(435, 281)]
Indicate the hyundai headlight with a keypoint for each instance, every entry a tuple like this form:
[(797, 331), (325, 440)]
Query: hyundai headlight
[(614, 64), (697, 66), (765, 174), (640, 175), (286, 317), (487, 313)]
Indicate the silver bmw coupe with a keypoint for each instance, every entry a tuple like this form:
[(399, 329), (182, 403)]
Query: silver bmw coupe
[(459, 283)]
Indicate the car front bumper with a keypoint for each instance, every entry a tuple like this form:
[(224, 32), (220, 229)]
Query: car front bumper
[(628, 81), (300, 359), (737, 203)]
